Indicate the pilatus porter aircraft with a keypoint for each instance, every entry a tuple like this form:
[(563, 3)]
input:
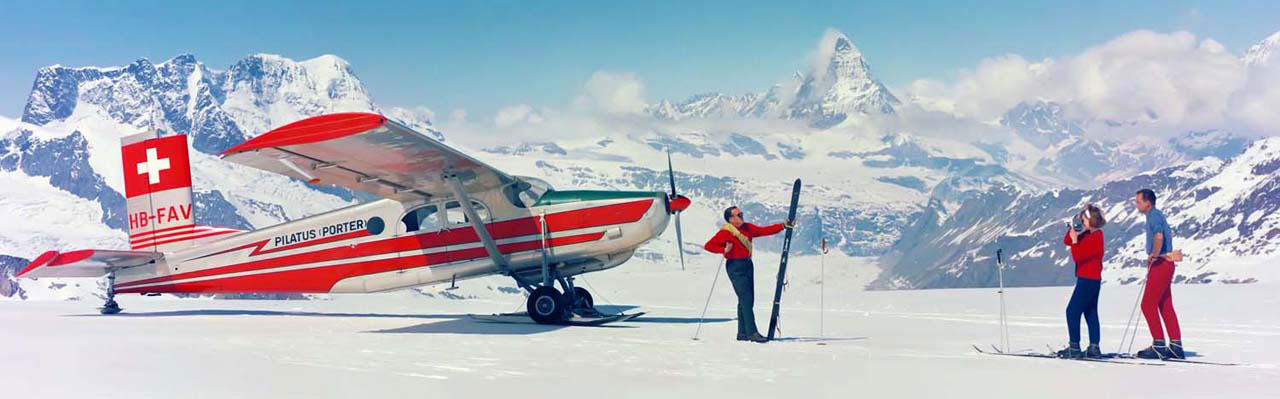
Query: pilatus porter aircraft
[(442, 216)]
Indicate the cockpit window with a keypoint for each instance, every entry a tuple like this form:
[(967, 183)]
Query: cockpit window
[(525, 191), (425, 218), (456, 216)]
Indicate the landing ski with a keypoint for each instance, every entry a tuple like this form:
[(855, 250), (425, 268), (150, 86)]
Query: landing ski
[(782, 268), (1052, 356), (523, 318)]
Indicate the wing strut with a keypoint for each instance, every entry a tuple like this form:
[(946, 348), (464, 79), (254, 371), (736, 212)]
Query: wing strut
[(455, 183)]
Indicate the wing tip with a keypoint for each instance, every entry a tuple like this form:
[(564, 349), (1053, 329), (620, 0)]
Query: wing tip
[(41, 260), (337, 124)]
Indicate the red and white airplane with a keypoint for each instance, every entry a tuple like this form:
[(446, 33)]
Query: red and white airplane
[(443, 216)]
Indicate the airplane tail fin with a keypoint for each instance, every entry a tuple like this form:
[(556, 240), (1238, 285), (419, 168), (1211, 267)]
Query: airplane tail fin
[(157, 185)]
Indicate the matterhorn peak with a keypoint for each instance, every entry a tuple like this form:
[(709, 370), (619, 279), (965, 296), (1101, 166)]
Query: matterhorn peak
[(1260, 54)]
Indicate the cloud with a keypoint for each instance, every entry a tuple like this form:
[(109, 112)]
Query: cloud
[(1165, 82), (516, 114), (457, 116), (619, 93)]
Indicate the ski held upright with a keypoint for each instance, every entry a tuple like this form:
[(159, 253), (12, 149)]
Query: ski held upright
[(782, 267)]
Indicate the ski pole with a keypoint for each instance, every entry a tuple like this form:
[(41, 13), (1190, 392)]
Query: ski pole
[(712, 291), (1131, 320), (822, 283), (1004, 323)]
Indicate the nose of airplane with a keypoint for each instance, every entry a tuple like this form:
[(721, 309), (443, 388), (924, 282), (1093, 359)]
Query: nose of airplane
[(678, 203)]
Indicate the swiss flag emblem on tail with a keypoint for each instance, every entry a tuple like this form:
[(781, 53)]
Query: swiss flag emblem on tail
[(157, 190), (156, 165)]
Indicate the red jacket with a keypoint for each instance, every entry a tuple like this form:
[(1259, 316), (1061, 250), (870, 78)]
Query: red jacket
[(739, 251), (1087, 253)]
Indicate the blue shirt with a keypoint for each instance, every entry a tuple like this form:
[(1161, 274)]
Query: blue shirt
[(1157, 224)]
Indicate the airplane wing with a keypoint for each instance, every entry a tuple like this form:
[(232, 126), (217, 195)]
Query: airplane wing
[(86, 263), (367, 153)]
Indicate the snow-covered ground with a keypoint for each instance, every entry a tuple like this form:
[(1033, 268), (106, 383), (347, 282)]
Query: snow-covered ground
[(882, 343)]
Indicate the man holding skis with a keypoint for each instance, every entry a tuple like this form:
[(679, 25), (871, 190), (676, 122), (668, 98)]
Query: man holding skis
[(1157, 297), (734, 241)]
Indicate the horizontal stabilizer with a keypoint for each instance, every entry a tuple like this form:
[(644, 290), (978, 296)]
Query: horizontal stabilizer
[(86, 263)]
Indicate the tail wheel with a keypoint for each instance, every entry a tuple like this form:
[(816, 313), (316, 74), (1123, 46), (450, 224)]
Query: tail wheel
[(546, 305), (585, 300)]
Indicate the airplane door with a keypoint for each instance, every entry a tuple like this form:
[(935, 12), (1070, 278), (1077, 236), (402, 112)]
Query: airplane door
[(424, 225), (456, 219)]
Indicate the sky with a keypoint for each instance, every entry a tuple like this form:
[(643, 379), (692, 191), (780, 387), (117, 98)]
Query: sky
[(482, 56)]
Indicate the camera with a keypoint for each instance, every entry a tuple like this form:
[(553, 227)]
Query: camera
[(1077, 223)]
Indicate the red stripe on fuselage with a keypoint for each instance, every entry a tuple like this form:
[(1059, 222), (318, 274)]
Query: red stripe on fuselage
[(570, 220), (188, 238), (322, 279), (193, 232), (139, 235)]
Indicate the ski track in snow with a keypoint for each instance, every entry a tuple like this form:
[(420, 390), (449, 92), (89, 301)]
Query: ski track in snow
[(887, 343)]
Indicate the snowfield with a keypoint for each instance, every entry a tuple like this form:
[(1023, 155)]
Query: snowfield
[(879, 343)]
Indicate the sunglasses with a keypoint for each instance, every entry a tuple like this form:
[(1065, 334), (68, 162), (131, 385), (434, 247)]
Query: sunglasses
[(739, 214)]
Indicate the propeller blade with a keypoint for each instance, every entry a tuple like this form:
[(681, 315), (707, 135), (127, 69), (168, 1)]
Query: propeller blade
[(671, 172), (680, 241)]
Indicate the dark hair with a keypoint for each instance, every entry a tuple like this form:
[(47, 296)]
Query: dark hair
[(1094, 215), (1148, 195), (728, 213)]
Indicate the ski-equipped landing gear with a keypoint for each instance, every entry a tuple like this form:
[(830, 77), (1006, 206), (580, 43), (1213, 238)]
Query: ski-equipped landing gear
[(110, 307), (570, 305), (546, 305)]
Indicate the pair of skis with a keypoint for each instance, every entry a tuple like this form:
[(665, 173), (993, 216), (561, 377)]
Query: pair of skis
[(1118, 358), (999, 352)]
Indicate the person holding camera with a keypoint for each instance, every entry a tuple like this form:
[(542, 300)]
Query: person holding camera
[(1084, 238)]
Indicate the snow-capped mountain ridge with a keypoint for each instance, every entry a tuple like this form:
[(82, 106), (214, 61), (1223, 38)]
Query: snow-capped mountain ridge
[(841, 87), (1223, 212), (1261, 54)]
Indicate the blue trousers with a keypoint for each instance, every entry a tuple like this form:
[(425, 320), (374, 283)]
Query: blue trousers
[(1084, 301), (743, 277)]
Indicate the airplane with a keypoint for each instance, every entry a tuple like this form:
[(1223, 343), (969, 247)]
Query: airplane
[(442, 216)]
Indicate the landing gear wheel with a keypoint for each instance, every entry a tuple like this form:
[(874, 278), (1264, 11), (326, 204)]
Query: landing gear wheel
[(111, 307), (584, 299), (546, 305)]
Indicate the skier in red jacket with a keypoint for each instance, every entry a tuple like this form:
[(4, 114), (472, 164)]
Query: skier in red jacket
[(1086, 241), (734, 241)]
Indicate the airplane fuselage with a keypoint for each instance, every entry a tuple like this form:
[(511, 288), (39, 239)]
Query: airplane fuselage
[(386, 245)]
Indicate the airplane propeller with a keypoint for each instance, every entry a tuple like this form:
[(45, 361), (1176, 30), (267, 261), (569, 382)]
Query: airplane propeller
[(676, 204)]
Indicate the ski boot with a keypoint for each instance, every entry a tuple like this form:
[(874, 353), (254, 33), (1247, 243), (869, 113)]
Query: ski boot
[(1071, 352), (1157, 350), (753, 337), (1175, 350), (1093, 352)]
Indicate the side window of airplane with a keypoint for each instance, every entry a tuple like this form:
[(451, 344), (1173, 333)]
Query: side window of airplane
[(455, 215), (424, 218)]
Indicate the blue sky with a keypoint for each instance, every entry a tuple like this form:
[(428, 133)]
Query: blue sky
[(483, 55)]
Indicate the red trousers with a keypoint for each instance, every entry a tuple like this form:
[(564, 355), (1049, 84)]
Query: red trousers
[(1157, 301)]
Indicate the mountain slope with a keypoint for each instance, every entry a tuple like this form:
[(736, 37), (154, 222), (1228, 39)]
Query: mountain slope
[(840, 87), (1223, 213)]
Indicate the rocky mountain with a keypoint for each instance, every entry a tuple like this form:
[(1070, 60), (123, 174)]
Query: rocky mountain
[(842, 86), (1054, 146), (1223, 214), (930, 206), (1041, 123), (1261, 54), (66, 144)]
